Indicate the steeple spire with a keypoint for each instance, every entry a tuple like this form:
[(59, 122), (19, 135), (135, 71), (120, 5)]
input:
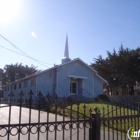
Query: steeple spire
[(66, 52)]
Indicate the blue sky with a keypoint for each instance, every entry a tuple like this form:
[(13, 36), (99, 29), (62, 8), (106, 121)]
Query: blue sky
[(39, 28)]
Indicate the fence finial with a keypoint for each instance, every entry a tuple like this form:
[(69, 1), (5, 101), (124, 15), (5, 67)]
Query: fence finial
[(96, 110)]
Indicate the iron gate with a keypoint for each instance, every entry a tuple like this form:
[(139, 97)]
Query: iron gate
[(47, 118)]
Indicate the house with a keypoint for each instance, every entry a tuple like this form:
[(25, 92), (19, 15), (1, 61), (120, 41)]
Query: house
[(72, 77)]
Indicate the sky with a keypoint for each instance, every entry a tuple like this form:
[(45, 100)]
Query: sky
[(37, 29)]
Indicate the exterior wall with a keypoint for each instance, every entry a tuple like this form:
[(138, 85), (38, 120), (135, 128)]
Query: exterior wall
[(98, 86), (80, 84), (16, 91), (46, 82), (76, 69)]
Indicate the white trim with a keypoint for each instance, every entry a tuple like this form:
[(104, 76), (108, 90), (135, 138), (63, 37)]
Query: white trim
[(83, 92), (93, 86), (73, 76), (69, 86), (86, 65), (102, 79)]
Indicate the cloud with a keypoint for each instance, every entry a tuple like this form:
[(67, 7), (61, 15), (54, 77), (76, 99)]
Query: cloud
[(33, 34)]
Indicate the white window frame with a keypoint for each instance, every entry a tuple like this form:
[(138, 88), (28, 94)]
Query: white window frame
[(76, 87), (25, 83)]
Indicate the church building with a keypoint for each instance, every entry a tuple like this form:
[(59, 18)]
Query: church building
[(70, 78)]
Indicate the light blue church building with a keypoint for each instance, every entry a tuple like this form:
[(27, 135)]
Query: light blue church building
[(70, 78)]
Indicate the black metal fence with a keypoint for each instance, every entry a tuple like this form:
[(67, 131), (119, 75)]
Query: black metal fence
[(53, 118), (117, 122), (49, 118)]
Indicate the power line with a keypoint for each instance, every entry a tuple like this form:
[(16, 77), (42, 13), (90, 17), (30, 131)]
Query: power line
[(13, 45), (23, 53), (26, 56)]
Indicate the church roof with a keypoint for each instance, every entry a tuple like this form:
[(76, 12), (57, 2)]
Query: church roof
[(57, 66)]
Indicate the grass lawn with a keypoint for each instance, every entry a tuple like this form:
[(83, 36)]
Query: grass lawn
[(107, 109)]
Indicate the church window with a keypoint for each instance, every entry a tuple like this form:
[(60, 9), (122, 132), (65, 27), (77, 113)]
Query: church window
[(25, 84), (73, 87), (19, 86), (33, 82), (76, 63), (15, 86)]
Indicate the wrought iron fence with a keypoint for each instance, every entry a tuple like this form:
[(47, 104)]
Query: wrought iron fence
[(53, 118), (117, 122), (49, 118)]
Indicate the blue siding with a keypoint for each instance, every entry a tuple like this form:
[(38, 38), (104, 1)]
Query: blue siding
[(45, 82), (77, 70), (98, 86), (16, 91)]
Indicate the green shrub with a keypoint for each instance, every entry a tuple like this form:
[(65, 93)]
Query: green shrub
[(102, 97)]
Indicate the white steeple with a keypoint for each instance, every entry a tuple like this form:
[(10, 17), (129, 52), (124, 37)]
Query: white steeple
[(66, 52)]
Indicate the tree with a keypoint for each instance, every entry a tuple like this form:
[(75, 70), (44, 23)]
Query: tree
[(14, 72), (119, 68)]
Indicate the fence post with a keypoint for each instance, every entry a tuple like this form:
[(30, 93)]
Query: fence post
[(94, 131), (138, 108)]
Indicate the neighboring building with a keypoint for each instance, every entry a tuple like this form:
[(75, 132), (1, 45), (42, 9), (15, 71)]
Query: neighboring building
[(72, 77)]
